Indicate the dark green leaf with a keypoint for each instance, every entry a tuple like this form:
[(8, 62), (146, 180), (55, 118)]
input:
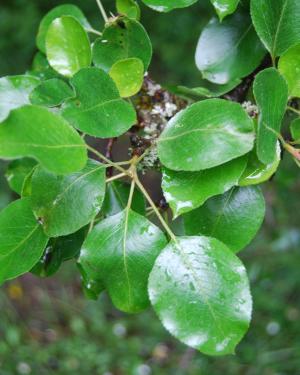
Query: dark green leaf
[(123, 39), (271, 94), (120, 252), (98, 109), (233, 218), (257, 172), (289, 67), (22, 240), (67, 46), (200, 291), (59, 11), (35, 132), (185, 191), (91, 288), (128, 75), (51, 93), (277, 23), (207, 133), (14, 93), (116, 199), (17, 171), (58, 251), (65, 204), (223, 51), (168, 5)]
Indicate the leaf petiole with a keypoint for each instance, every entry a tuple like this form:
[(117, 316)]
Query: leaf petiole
[(102, 10)]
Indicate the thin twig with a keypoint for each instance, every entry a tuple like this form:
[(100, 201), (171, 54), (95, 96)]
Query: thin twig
[(155, 209), (109, 162), (102, 10), (116, 177), (93, 31), (294, 110)]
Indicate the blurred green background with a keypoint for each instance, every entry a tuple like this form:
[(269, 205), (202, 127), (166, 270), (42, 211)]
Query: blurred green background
[(48, 327)]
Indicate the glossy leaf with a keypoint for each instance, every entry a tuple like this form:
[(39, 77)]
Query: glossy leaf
[(69, 202), (98, 109), (233, 218), (59, 250), (17, 171), (185, 191), (67, 46), (116, 199), (14, 93), (168, 5), (120, 252), (123, 39), (295, 130), (91, 288), (22, 240), (59, 11), (222, 53), (225, 7), (289, 67), (129, 8), (35, 132), (257, 172), (200, 291), (271, 94), (128, 75), (207, 133), (206, 89), (277, 23), (51, 93)]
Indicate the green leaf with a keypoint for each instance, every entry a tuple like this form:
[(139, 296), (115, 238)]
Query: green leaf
[(17, 171), (59, 250), (277, 23), (123, 39), (271, 95), (26, 188), (68, 46), (59, 11), (116, 199), (51, 93), (41, 68), (22, 240), (257, 172), (37, 133), (129, 8), (91, 288), (185, 191), (233, 218), (206, 90), (295, 130), (69, 202), (200, 291), (168, 5), (14, 93), (120, 252), (289, 67), (98, 109), (225, 7), (222, 53), (128, 75), (207, 133)]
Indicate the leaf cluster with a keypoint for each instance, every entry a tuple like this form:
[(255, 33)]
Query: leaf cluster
[(213, 144)]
